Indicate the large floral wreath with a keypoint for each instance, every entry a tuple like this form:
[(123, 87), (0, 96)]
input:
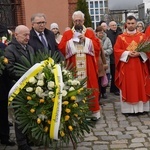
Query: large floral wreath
[(51, 105)]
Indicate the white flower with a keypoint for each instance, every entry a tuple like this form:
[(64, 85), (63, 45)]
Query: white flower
[(40, 82), (75, 82), (71, 89), (64, 93), (42, 117), (64, 71), (40, 76), (29, 89), (50, 85), (4, 39), (51, 94), (39, 91), (70, 82), (32, 80)]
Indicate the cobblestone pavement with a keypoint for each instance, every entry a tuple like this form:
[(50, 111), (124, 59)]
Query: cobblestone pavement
[(113, 131)]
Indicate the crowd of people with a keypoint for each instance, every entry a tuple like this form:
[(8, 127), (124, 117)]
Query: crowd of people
[(106, 51)]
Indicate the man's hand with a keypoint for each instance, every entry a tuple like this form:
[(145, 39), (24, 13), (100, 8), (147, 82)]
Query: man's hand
[(134, 54), (82, 38)]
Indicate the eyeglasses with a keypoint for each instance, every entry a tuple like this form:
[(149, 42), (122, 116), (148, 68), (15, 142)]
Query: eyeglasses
[(40, 23)]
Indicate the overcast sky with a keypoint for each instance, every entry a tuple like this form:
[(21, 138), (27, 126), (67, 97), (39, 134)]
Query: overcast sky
[(124, 4)]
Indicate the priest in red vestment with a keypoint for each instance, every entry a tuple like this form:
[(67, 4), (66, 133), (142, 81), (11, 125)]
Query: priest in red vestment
[(132, 74), (81, 48)]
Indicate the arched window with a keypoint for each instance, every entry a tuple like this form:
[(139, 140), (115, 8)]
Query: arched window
[(8, 12)]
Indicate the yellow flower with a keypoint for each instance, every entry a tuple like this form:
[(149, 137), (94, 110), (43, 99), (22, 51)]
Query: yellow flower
[(46, 129), (65, 103), (42, 100), (62, 133), (29, 98), (38, 120), (76, 115), (32, 110), (73, 98), (83, 101), (67, 110), (79, 91), (75, 105), (67, 117), (5, 60), (70, 128), (48, 121)]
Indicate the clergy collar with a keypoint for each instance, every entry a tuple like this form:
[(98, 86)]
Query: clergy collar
[(131, 32)]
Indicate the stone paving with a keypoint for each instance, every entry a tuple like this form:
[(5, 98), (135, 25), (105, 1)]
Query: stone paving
[(113, 131)]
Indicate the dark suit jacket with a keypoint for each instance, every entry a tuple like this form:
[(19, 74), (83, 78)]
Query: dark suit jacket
[(36, 43), (13, 53)]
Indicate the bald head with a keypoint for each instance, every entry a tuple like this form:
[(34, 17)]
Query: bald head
[(104, 26), (21, 28), (22, 34)]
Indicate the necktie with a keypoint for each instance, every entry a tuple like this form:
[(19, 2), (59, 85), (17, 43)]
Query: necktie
[(43, 40)]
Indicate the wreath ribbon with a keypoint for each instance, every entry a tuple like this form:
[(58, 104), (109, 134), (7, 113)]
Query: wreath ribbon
[(21, 83), (56, 114)]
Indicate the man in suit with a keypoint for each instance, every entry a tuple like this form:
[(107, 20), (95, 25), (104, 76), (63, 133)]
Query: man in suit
[(18, 47), (40, 37)]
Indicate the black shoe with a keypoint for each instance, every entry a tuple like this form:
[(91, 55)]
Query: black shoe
[(117, 93), (8, 142), (24, 147), (104, 96), (94, 119)]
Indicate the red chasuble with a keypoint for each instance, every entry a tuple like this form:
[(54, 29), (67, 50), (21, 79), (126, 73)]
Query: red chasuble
[(91, 63), (147, 31), (132, 77)]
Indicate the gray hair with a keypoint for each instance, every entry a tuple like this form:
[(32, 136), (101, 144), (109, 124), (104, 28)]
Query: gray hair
[(77, 13), (37, 15), (142, 23)]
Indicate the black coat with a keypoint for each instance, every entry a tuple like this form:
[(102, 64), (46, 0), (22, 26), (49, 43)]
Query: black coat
[(13, 53), (113, 36), (36, 43), (4, 80)]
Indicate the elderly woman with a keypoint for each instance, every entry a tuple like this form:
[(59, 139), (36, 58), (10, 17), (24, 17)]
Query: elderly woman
[(140, 26), (107, 47), (54, 28)]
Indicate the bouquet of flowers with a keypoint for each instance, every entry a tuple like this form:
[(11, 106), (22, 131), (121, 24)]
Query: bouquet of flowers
[(51, 105), (143, 46)]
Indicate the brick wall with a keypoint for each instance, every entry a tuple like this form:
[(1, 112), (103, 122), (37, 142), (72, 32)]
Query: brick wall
[(72, 4), (20, 15)]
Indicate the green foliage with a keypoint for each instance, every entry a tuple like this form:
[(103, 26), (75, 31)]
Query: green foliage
[(83, 6), (143, 46), (33, 111)]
